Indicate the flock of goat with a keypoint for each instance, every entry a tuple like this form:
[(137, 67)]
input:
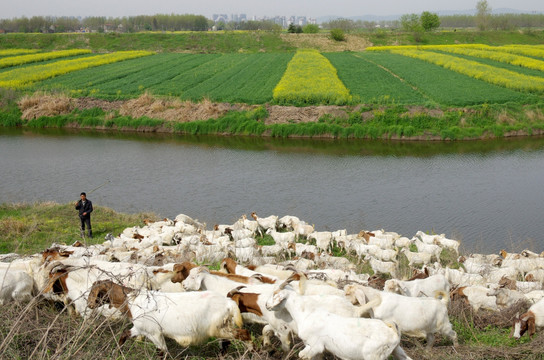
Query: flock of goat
[(150, 275)]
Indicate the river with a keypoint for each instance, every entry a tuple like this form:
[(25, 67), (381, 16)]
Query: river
[(487, 194)]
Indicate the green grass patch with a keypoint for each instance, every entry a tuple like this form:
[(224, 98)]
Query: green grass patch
[(197, 42), (265, 240), (31, 228)]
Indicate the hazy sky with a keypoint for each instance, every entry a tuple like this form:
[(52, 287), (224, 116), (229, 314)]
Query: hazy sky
[(314, 8)]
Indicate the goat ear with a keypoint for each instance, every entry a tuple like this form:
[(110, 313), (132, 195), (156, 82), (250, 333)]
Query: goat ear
[(531, 325)]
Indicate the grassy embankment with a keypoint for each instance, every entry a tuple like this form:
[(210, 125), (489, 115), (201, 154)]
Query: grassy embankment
[(31, 228), (363, 122), (44, 330), (251, 41), (194, 42)]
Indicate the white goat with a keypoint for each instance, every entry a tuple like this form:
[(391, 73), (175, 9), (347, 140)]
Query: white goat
[(15, 285), (417, 258), (459, 278), (432, 249), (282, 238), (303, 229), (384, 267), (447, 243), (288, 222), (346, 337), (270, 222), (531, 320), (420, 317), (323, 239), (201, 279), (479, 297), (188, 318), (428, 287)]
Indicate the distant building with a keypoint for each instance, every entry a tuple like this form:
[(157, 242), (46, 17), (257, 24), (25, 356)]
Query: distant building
[(281, 20)]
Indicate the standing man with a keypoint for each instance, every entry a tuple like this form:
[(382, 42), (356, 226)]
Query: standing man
[(85, 208)]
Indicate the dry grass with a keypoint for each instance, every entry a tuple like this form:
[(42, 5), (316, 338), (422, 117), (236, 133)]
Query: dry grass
[(14, 226), (292, 114), (324, 43), (45, 330), (176, 110), (41, 104), (505, 118), (534, 115)]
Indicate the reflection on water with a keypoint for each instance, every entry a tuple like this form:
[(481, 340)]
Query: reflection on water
[(486, 193)]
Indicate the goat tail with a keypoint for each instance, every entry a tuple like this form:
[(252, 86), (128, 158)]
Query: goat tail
[(363, 309), (442, 296)]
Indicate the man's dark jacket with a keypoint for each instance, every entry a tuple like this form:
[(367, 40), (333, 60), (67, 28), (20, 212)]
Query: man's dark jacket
[(87, 208)]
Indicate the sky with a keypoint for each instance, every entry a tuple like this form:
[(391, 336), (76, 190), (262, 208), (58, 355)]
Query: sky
[(312, 8)]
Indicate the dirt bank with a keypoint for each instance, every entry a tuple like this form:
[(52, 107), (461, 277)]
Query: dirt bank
[(172, 110)]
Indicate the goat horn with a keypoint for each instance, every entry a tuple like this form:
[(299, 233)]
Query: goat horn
[(234, 291)]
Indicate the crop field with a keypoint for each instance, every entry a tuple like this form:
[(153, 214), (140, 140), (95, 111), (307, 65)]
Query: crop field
[(444, 86), (13, 52), (248, 78), (311, 79), (373, 83), (494, 75), (30, 58), (25, 76), (480, 62), (443, 75)]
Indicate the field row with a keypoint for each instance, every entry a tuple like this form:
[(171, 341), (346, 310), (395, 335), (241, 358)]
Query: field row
[(30, 58), (25, 76), (310, 79), (12, 52), (471, 59), (442, 75)]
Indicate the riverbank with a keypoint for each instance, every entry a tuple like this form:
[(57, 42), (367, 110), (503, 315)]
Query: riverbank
[(39, 330), (27, 228), (166, 115)]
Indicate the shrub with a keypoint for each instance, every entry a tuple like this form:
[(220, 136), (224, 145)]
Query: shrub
[(310, 29), (338, 35)]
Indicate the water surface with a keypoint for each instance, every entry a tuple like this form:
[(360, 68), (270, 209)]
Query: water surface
[(486, 194)]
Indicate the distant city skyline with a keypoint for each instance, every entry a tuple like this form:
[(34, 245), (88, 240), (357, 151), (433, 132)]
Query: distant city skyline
[(252, 8)]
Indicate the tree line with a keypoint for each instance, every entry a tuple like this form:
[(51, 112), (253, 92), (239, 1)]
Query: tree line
[(427, 21), (409, 21), (159, 22)]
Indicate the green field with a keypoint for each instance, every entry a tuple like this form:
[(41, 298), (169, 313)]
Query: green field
[(444, 86), (372, 83), (247, 78), (371, 77)]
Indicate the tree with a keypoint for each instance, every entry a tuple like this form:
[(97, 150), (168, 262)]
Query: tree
[(410, 22), (429, 21), (483, 15), (294, 29)]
